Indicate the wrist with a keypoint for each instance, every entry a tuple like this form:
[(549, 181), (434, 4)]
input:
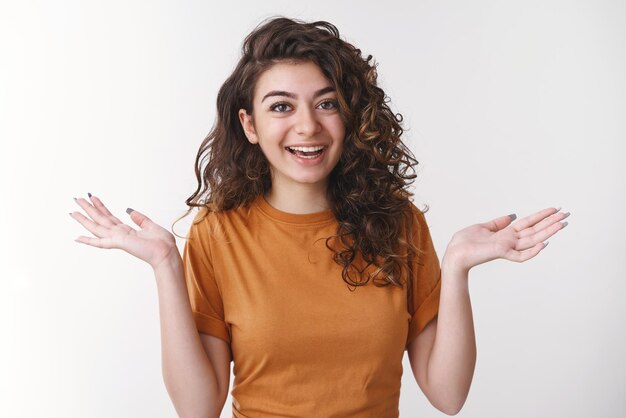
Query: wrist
[(453, 265), (172, 262)]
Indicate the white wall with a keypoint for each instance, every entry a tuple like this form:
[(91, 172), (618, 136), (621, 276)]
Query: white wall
[(510, 107)]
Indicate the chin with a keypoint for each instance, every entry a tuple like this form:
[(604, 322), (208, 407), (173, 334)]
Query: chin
[(311, 180)]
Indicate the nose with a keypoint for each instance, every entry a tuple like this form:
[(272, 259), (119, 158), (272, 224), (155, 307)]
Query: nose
[(306, 122)]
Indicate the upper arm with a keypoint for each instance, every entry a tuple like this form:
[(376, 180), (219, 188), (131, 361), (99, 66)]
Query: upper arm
[(419, 352), (218, 352)]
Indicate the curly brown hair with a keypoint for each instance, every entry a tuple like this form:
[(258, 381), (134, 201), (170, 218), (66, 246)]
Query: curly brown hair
[(368, 188)]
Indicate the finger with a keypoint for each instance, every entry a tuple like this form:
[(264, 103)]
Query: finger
[(546, 222), (97, 203), (531, 220), (499, 223), (139, 218), (96, 229), (96, 242), (540, 236), (521, 256), (94, 213)]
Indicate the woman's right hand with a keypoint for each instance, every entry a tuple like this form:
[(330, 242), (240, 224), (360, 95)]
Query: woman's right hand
[(152, 243)]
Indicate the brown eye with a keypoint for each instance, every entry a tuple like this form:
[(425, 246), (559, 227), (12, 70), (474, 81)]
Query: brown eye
[(279, 107), (329, 105)]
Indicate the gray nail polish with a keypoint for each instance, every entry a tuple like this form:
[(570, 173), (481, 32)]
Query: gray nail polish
[(513, 216), (129, 210), (88, 194)]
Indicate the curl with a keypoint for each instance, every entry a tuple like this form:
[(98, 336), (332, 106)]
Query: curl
[(368, 190)]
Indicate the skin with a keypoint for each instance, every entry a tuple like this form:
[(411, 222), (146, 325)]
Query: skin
[(443, 355), (306, 118)]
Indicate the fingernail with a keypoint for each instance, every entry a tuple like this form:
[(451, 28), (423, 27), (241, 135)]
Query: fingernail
[(565, 224), (75, 200), (88, 194), (558, 209), (566, 215), (545, 244), (513, 216), (129, 210)]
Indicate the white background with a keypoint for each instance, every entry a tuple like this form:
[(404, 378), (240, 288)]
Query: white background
[(510, 107)]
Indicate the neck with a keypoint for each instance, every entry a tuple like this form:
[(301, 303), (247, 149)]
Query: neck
[(298, 199)]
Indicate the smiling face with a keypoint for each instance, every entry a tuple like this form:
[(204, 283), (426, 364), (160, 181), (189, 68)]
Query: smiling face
[(297, 124)]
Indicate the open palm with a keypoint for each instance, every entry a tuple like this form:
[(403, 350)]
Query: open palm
[(500, 238), (152, 243)]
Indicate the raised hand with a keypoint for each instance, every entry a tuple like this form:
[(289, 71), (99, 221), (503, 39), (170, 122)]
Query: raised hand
[(500, 238), (152, 243)]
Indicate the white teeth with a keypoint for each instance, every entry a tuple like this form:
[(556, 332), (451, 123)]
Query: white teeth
[(307, 149)]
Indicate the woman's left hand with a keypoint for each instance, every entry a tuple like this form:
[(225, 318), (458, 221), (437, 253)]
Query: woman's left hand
[(501, 238)]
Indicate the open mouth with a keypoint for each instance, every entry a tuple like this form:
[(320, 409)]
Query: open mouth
[(306, 152)]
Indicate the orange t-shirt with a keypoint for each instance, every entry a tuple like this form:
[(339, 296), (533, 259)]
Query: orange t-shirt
[(303, 343)]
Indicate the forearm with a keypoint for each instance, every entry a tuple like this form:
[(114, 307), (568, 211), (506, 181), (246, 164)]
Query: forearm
[(189, 377), (453, 357)]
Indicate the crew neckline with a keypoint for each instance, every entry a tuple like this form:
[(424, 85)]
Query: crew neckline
[(293, 218)]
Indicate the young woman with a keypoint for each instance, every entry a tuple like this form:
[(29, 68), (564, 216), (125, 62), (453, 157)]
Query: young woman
[(307, 264)]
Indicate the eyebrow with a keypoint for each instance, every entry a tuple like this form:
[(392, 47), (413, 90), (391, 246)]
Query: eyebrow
[(294, 96)]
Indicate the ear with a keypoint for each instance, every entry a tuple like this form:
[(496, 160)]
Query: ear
[(248, 126)]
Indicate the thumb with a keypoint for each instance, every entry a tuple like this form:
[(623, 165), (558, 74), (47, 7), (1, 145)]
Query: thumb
[(138, 218), (500, 222)]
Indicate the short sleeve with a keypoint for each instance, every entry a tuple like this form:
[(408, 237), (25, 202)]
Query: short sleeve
[(425, 287), (204, 294)]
